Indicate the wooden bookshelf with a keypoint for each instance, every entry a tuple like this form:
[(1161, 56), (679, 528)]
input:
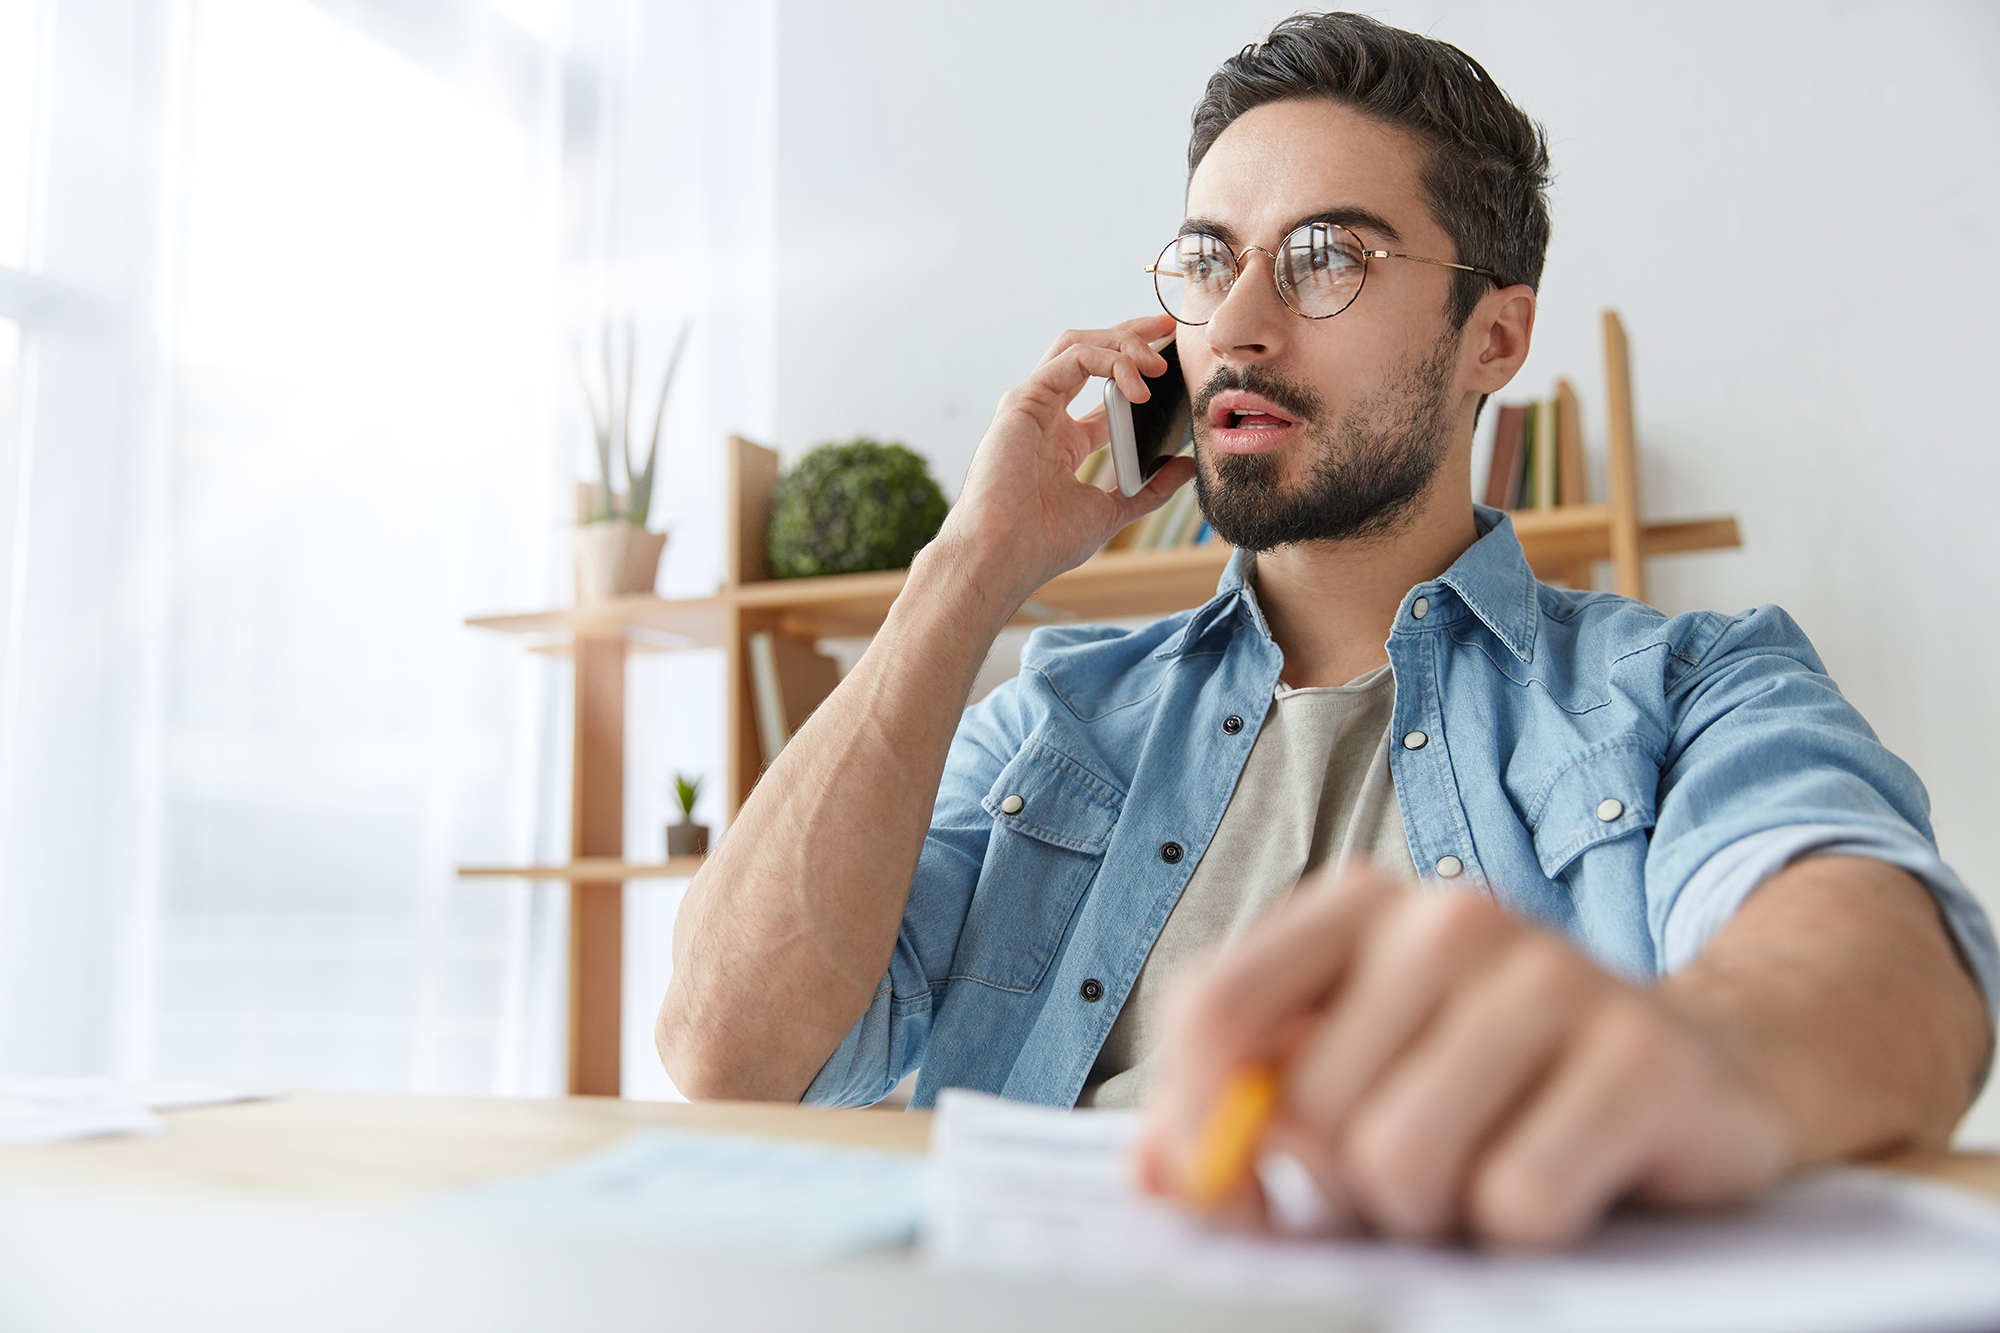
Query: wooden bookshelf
[(592, 870), (1563, 544)]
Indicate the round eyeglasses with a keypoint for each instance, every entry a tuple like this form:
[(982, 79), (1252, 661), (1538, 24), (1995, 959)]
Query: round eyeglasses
[(1319, 269)]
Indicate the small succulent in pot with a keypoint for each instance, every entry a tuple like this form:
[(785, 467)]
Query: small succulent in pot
[(853, 507), (686, 838)]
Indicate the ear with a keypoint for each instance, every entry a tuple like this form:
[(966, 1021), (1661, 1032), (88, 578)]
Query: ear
[(1497, 337)]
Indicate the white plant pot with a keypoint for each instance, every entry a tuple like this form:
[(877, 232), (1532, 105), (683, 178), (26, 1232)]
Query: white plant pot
[(615, 559)]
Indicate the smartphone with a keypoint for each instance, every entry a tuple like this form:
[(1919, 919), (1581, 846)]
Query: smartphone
[(1145, 435)]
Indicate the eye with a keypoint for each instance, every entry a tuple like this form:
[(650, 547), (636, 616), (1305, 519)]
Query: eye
[(1205, 265)]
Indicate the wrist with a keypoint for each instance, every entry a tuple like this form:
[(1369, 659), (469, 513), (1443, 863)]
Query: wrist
[(1749, 1085), (976, 578)]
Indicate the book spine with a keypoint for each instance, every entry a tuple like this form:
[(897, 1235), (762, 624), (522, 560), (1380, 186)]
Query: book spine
[(768, 699), (1545, 456), (1571, 485), (1155, 523), (1191, 520), (1175, 529), (1503, 475), (1524, 476), (1093, 463)]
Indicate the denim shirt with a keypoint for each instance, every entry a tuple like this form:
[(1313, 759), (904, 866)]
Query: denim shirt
[(1617, 775)]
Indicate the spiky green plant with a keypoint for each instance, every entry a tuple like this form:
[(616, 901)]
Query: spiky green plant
[(611, 428), (685, 793)]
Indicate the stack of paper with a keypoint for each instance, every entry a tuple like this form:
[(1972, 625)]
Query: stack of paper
[(1026, 1189), (50, 1110)]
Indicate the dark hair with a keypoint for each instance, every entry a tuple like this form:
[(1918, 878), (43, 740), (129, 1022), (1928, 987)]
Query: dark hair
[(1489, 163)]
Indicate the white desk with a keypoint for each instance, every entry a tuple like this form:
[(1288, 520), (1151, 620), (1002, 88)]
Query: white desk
[(292, 1215)]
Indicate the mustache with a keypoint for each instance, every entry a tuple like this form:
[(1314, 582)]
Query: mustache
[(1298, 401)]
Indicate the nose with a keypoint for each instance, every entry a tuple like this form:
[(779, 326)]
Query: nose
[(1251, 323)]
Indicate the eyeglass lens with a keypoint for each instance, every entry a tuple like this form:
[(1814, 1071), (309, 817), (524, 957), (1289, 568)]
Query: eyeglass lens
[(1319, 270)]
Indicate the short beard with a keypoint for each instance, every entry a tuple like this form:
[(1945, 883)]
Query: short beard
[(1368, 470)]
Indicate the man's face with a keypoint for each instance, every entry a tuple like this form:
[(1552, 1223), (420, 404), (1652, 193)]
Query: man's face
[(1331, 428)]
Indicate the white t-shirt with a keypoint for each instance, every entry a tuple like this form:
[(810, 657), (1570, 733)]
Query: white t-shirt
[(1314, 789)]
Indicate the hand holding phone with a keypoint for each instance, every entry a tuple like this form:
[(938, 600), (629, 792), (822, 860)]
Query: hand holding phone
[(1145, 435)]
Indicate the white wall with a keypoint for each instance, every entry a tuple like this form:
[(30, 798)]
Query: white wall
[(1793, 206)]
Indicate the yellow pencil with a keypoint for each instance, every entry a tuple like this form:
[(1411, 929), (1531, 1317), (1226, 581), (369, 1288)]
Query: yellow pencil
[(1229, 1140)]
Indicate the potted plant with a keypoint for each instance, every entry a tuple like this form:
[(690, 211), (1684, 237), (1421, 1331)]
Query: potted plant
[(848, 508), (615, 552), (686, 838)]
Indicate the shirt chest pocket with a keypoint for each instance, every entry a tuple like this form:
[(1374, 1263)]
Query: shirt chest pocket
[(1606, 793), (1052, 819)]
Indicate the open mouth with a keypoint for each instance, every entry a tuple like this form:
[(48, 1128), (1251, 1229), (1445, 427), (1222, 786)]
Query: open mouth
[(1242, 422), (1255, 421)]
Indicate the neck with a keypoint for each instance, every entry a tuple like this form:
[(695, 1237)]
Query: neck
[(1332, 604)]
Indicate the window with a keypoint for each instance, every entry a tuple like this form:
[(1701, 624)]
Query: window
[(19, 88), (360, 450), (288, 344)]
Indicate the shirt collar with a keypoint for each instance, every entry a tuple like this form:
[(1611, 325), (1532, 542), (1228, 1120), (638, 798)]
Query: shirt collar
[(1492, 578), (1235, 591)]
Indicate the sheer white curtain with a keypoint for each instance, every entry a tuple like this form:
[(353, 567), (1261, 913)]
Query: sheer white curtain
[(287, 292), (359, 457), (286, 288)]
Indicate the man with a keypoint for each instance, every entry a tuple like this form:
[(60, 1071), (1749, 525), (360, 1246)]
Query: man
[(1631, 905)]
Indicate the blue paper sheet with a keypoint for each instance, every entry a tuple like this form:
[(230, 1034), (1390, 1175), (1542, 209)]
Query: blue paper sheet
[(722, 1193)]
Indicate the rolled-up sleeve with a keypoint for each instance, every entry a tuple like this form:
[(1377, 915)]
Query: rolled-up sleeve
[(890, 1038), (1771, 764)]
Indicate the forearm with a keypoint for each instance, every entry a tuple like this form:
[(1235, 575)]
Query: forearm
[(786, 932), (1838, 990)]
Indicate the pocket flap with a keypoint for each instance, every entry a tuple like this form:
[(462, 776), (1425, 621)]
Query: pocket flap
[(1047, 795), (1605, 793)]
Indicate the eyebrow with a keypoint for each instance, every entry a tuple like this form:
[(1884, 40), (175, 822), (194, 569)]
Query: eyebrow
[(1353, 217)]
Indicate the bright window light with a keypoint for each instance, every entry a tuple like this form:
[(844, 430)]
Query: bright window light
[(360, 463), (541, 19), (17, 125), (10, 416)]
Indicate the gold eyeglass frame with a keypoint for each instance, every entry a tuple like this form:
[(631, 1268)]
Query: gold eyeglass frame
[(1236, 263)]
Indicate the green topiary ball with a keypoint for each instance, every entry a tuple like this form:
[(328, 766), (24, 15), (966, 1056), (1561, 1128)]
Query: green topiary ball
[(848, 508)]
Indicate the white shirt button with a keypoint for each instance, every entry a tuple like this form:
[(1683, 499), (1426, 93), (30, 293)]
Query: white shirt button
[(1610, 808), (1012, 805), (1450, 867), (1421, 607), (1416, 740)]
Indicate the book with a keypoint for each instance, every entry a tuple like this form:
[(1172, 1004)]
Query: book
[(1158, 523), (1545, 455), (1192, 521), (769, 703), (1168, 520), (1503, 478), (1127, 537), (1570, 483), (1090, 471), (789, 678), (1531, 443)]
